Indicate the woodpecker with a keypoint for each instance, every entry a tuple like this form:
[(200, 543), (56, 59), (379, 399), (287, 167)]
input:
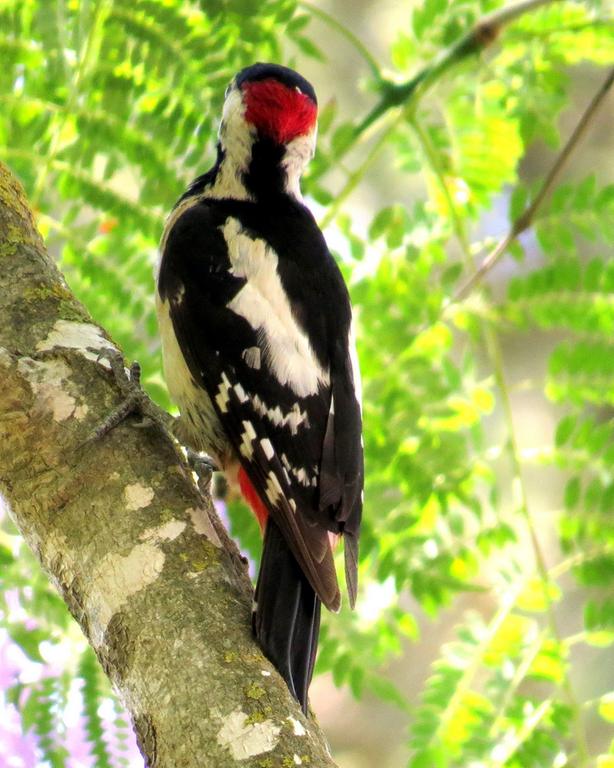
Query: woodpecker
[(259, 356)]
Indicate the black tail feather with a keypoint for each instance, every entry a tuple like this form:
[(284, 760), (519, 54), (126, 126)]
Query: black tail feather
[(286, 616)]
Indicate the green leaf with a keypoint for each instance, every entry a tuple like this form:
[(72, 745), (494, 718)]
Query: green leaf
[(6, 556), (28, 640), (572, 493), (537, 597), (599, 615), (606, 707)]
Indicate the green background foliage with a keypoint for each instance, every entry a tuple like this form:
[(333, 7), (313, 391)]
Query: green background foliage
[(109, 109)]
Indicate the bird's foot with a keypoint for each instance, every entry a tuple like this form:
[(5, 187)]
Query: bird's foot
[(135, 400), (203, 466)]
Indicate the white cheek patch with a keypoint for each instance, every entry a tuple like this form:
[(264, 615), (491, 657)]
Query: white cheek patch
[(237, 138), (298, 153), (263, 303)]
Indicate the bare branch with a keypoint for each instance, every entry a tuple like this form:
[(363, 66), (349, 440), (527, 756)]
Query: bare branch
[(483, 34), (526, 218), (394, 95)]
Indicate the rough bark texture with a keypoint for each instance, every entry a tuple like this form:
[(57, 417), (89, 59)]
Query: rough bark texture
[(137, 554)]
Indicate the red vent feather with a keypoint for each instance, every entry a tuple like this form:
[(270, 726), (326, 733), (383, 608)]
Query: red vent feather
[(251, 497)]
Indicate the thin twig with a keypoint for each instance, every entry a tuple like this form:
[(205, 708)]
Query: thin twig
[(341, 29), (355, 177), (525, 219), (522, 502), (483, 33), (393, 95)]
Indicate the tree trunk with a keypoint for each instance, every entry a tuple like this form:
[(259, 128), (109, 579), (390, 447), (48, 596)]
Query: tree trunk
[(137, 554)]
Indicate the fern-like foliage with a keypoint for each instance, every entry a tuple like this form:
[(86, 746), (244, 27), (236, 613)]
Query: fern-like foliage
[(494, 693), (93, 692), (108, 109)]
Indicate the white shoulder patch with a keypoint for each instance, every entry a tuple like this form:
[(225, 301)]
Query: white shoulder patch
[(298, 153), (263, 303)]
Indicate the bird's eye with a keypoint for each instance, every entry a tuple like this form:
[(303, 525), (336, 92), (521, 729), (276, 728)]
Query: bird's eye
[(297, 89)]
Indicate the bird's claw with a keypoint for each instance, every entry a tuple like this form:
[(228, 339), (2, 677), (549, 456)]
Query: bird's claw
[(135, 400), (203, 466)]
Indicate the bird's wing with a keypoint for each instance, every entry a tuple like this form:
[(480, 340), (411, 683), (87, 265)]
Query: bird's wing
[(255, 334)]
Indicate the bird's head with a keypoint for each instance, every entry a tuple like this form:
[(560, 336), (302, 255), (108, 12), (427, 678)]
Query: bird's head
[(274, 108)]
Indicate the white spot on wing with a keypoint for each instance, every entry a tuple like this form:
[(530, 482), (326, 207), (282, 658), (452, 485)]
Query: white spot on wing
[(222, 398), (303, 478), (177, 298), (251, 355), (240, 392), (273, 488), (300, 473), (247, 438), (267, 448), (292, 419)]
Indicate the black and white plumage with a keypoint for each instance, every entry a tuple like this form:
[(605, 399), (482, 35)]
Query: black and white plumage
[(258, 351)]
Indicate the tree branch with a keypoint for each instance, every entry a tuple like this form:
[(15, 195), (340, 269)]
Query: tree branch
[(136, 553), (393, 95), (483, 33), (526, 218)]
